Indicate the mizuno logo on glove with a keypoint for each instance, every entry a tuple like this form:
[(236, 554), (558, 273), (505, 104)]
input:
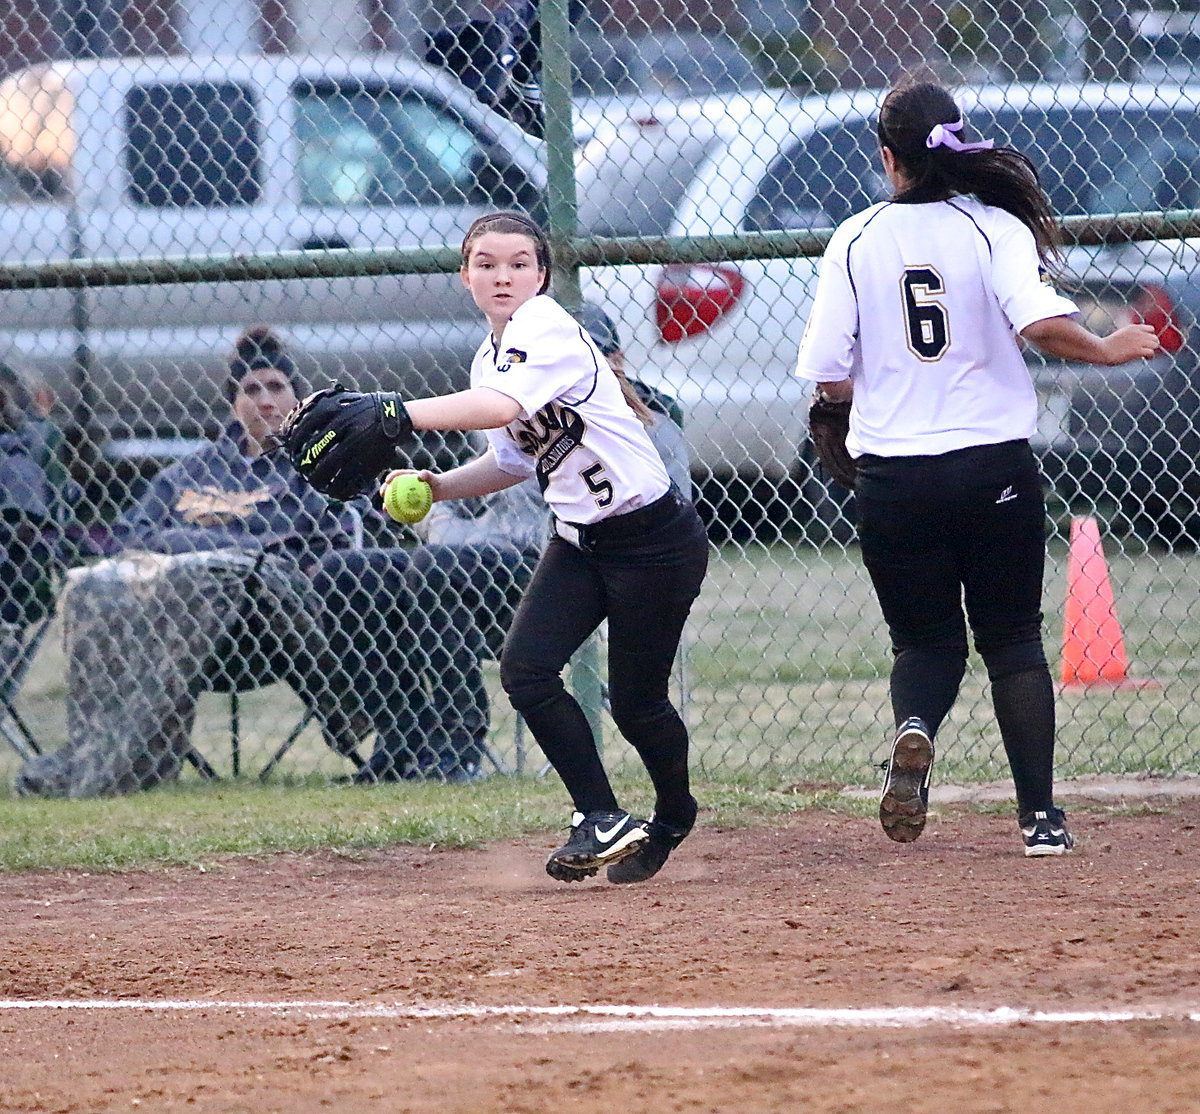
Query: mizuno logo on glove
[(317, 449)]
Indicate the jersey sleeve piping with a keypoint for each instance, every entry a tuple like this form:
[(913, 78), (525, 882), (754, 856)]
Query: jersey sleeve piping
[(595, 374), (974, 222), (850, 270)]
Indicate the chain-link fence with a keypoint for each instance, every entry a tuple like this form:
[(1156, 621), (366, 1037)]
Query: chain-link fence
[(192, 240)]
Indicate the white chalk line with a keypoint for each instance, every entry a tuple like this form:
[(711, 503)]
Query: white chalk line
[(621, 1018)]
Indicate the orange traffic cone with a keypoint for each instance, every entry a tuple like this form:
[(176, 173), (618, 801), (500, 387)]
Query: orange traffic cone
[(1093, 649)]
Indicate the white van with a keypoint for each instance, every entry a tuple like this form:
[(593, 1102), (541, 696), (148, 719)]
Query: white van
[(189, 156)]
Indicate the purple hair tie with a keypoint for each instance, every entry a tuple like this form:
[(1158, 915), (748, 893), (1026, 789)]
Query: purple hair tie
[(942, 135)]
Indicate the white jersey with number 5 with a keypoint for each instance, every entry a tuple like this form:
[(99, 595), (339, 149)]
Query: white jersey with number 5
[(920, 305), (591, 454)]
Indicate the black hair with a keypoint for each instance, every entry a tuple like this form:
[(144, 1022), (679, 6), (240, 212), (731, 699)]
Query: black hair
[(510, 221), (257, 348), (1002, 176)]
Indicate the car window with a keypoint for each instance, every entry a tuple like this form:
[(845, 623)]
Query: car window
[(615, 202), (192, 143), (819, 181), (1104, 161), (1153, 163), (379, 146), (1088, 161)]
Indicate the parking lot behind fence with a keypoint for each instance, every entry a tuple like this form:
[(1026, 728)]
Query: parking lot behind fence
[(156, 205)]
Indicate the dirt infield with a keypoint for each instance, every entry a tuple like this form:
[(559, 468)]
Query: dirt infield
[(422, 980)]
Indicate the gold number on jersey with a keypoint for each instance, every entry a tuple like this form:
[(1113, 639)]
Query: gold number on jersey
[(927, 327)]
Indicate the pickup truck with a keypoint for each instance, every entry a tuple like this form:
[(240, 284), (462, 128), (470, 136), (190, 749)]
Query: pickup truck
[(199, 156)]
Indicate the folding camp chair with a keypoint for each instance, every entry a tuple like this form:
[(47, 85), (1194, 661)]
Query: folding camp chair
[(246, 682), (18, 648)]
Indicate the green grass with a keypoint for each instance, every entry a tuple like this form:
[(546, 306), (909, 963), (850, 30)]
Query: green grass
[(785, 684), (788, 667), (198, 825)]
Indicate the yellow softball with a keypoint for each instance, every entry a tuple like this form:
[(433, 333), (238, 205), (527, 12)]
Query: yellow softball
[(407, 499)]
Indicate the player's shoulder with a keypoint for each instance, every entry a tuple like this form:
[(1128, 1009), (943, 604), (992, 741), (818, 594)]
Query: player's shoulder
[(989, 219), (543, 313), (851, 228), (541, 325)]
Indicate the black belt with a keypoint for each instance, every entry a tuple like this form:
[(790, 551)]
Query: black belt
[(621, 526)]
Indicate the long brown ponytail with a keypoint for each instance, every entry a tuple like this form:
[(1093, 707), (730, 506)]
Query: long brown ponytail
[(1001, 176)]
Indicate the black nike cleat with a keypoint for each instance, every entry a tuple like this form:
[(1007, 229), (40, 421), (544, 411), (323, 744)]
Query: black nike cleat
[(597, 839), (905, 798), (652, 855)]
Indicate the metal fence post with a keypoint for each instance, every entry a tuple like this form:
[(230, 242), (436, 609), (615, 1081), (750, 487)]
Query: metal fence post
[(562, 226)]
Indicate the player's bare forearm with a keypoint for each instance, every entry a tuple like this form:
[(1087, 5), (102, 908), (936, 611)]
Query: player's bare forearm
[(476, 408), (481, 476), (1066, 339)]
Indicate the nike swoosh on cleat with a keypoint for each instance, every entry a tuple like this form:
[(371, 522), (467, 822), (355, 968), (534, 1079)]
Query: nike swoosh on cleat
[(607, 837)]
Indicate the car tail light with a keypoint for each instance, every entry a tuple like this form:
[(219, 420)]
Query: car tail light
[(693, 297), (1153, 307), (1125, 304)]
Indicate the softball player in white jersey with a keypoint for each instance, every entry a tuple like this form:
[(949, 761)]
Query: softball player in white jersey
[(629, 547), (919, 304)]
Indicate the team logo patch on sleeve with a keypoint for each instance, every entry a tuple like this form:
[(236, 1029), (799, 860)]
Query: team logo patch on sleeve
[(512, 356)]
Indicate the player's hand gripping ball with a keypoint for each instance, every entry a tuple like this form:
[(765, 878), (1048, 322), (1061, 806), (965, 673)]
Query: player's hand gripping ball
[(407, 499)]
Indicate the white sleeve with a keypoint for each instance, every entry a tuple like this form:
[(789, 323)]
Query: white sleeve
[(1020, 282), (542, 358), (827, 347), (509, 457)]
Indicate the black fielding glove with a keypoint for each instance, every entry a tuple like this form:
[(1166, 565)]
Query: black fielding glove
[(828, 424), (340, 441)]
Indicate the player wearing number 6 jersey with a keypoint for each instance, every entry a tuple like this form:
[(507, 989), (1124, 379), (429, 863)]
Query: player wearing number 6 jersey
[(918, 308), (628, 546)]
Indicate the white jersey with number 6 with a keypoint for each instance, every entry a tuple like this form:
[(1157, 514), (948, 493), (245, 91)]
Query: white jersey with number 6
[(920, 305), (591, 454)]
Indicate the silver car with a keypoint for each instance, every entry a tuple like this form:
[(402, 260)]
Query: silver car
[(187, 156), (723, 336)]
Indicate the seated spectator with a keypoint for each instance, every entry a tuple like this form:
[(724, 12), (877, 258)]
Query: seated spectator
[(217, 583), (467, 579), (655, 406), (33, 493)]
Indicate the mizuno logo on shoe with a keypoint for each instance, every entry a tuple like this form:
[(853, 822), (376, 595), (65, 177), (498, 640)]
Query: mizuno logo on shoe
[(1006, 496), (608, 836)]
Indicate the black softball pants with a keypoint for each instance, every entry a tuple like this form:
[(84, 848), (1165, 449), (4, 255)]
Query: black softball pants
[(965, 529), (644, 583)]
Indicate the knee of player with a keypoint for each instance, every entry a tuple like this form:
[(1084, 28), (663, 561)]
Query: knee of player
[(942, 645), (1005, 658), (526, 684), (633, 716)]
